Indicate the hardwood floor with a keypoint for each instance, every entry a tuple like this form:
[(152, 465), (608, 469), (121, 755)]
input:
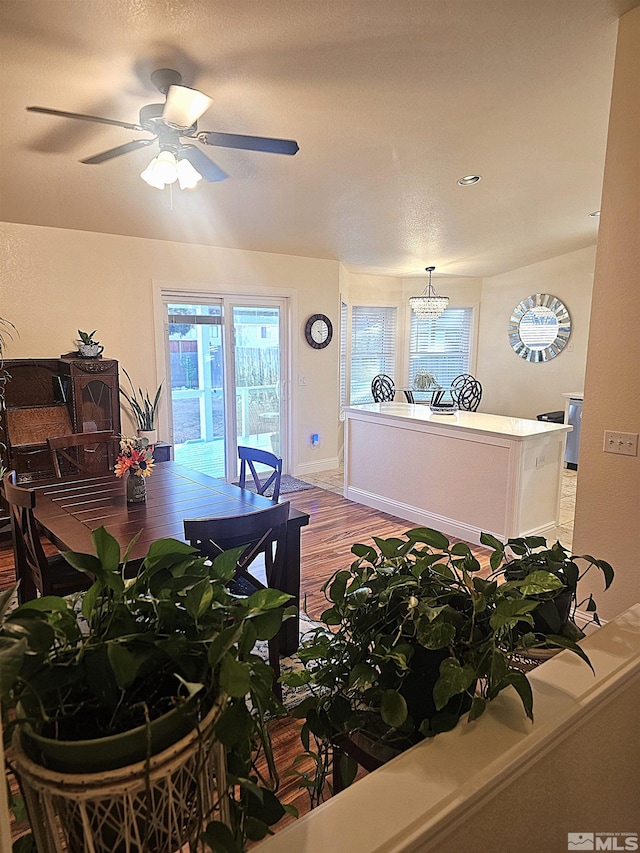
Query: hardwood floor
[(335, 525)]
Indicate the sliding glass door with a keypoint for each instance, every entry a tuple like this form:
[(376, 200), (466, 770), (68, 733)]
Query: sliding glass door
[(228, 385)]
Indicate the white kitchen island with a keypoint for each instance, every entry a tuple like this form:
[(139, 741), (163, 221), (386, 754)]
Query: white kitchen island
[(462, 474)]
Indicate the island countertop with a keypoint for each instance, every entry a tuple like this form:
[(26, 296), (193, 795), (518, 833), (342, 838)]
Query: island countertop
[(463, 474), (479, 422)]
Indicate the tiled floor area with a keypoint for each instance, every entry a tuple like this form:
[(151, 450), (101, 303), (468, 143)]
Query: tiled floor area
[(333, 481)]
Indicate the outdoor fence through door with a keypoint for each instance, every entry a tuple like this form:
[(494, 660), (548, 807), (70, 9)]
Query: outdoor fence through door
[(226, 381)]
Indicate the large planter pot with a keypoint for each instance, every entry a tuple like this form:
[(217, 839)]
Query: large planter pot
[(551, 616), (417, 687), (109, 753), (156, 805)]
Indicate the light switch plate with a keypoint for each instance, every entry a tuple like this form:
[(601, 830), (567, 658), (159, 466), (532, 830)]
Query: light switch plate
[(624, 443)]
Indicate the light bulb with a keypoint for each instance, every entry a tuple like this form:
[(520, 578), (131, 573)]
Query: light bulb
[(165, 168), (188, 176), (150, 177)]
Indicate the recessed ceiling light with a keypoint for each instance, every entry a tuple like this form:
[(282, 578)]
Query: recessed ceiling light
[(595, 213), (469, 179)]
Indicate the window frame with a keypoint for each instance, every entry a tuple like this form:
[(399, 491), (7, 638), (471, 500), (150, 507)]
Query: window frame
[(473, 337)]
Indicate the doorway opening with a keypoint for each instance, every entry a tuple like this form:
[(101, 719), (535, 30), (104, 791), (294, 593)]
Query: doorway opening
[(227, 375)]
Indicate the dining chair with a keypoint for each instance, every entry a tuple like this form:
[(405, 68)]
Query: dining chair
[(83, 452), (37, 573), (382, 388), (263, 532), (466, 392), (252, 456)]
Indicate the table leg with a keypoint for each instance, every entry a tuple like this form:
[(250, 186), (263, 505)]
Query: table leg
[(290, 634)]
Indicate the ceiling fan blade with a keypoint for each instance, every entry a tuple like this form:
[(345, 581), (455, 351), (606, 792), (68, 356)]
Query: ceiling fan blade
[(199, 160), (63, 114), (118, 151), (249, 143)]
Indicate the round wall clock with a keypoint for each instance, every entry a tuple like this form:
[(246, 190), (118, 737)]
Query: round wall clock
[(318, 331)]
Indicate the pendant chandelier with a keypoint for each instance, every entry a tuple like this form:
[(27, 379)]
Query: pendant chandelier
[(429, 305)]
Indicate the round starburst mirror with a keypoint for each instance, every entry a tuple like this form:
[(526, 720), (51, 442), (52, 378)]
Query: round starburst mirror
[(539, 327)]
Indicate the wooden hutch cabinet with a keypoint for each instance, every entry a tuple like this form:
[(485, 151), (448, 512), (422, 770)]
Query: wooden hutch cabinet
[(47, 397)]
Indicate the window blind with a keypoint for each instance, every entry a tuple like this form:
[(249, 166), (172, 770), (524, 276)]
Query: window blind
[(373, 347), (441, 347)]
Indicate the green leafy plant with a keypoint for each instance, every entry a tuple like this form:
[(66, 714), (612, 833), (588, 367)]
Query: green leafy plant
[(140, 647), (521, 558), (425, 381), (142, 407), (414, 638), (86, 338)]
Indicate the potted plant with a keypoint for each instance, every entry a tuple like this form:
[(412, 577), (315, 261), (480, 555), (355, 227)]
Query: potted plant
[(87, 346), (425, 381), (555, 615), (114, 691), (143, 409), (414, 639)]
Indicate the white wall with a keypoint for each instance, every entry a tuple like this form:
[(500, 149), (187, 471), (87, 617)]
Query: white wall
[(608, 497), (55, 281), (513, 386)]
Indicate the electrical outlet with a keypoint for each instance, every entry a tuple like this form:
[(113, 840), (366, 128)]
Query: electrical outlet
[(624, 443), (302, 380)]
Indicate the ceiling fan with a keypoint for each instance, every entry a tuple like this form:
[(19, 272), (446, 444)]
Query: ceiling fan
[(174, 126)]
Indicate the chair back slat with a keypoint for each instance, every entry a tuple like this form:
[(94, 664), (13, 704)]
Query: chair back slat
[(263, 531), (252, 456), (83, 452), (382, 388), (466, 392), (36, 574)]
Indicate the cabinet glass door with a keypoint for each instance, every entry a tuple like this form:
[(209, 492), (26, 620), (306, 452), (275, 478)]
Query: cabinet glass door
[(96, 404)]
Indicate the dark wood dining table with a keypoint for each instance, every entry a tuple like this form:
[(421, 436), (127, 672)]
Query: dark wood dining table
[(69, 509)]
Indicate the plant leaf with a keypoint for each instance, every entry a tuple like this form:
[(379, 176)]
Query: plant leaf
[(220, 838), (453, 679), (393, 708), (235, 676), (125, 666), (521, 683), (198, 599)]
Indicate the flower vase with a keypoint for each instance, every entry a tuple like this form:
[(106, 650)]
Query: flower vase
[(136, 489)]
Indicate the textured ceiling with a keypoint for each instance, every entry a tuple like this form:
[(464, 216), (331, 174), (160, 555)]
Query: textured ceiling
[(391, 101)]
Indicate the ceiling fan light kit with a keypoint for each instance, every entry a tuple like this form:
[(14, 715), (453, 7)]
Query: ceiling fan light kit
[(166, 169), (171, 123), (429, 305)]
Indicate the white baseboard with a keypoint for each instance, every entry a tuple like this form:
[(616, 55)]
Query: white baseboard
[(326, 464), (448, 526)]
